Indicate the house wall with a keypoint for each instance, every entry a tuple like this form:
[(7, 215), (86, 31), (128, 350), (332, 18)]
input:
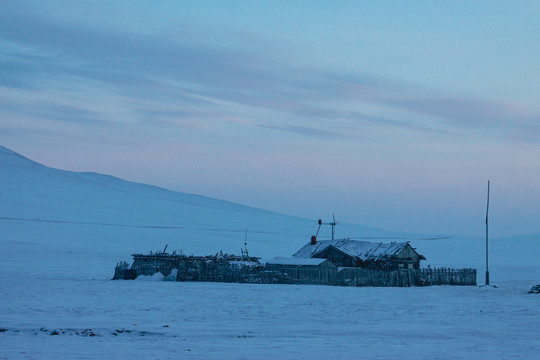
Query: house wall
[(408, 258)]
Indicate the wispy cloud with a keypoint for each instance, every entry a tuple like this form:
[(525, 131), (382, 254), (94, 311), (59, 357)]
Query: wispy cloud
[(307, 131), (475, 113), (175, 76), (55, 112)]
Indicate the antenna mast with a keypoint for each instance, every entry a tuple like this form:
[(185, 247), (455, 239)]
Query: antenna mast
[(333, 224), (487, 259), (244, 251)]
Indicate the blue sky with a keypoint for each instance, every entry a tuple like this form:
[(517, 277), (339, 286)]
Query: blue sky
[(390, 114)]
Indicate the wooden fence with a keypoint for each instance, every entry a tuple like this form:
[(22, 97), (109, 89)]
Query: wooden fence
[(406, 277), (445, 276), (334, 277)]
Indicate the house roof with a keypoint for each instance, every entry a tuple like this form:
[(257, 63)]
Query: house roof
[(363, 250), (296, 261)]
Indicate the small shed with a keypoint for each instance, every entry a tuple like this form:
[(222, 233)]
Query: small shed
[(285, 263)]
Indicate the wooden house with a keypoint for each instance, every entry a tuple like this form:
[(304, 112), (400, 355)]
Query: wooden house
[(363, 254)]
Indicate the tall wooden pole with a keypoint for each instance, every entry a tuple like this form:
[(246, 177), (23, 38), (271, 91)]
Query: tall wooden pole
[(487, 259)]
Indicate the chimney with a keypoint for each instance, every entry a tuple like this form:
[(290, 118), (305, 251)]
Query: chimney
[(313, 240)]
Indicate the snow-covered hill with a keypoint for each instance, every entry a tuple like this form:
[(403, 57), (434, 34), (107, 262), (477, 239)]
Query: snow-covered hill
[(67, 209), (107, 219)]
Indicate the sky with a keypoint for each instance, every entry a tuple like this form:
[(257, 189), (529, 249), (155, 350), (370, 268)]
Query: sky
[(389, 114)]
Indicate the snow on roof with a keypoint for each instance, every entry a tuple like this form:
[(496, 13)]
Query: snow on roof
[(361, 249), (295, 261), (244, 263)]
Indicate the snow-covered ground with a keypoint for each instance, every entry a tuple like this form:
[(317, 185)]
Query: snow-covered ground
[(170, 320), (61, 234)]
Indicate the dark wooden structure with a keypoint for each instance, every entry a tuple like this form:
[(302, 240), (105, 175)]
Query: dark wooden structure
[(405, 277), (301, 270), (150, 264), (337, 263), (122, 271), (186, 268)]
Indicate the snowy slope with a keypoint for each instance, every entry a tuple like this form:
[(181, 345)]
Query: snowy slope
[(50, 206)]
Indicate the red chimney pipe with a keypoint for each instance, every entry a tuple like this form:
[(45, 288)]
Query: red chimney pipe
[(313, 240)]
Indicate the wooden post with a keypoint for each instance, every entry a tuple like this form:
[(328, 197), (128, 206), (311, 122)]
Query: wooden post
[(487, 260)]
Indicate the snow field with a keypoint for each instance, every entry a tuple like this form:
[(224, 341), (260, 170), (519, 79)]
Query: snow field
[(169, 320)]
